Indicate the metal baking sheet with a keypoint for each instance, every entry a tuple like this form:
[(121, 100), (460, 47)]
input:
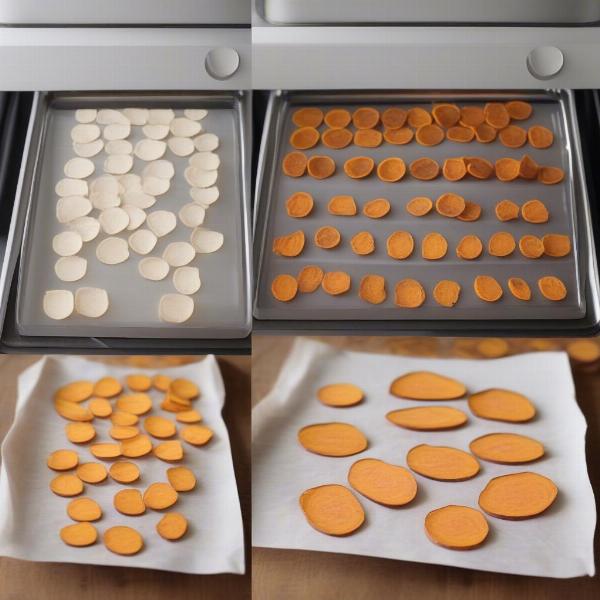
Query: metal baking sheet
[(566, 203), (222, 304)]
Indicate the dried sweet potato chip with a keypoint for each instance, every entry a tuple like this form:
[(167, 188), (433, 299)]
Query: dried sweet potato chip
[(92, 472), (419, 206), (446, 292), (304, 138), (84, 510), (450, 205), (80, 433), (129, 502), (391, 169), (359, 167), (550, 175), (66, 485), (535, 211), (507, 210), (460, 134), (425, 385), (471, 116), (368, 138), (480, 168), (362, 243), (299, 205), (62, 460), (309, 279), (100, 407), (501, 244), (400, 245), (496, 115), (487, 288), (470, 247), (340, 394), (446, 115), (418, 117), (336, 282), (540, 137), (399, 137), (376, 208), (327, 237), (528, 168), (429, 135), (289, 245), (454, 169), (332, 439), (394, 117), (456, 527), (308, 117), (507, 448), (107, 387), (342, 206), (159, 496), (501, 405), (137, 404), (336, 139), (77, 391), (442, 463), (428, 418), (337, 118), (181, 479), (284, 287), (518, 495), (519, 288), (424, 169), (123, 540), (552, 288), (513, 136), (197, 435), (381, 482), (556, 245), (409, 293), (365, 117), (434, 246), (519, 110), (135, 447), (294, 164), (507, 169), (531, 246), (173, 526), (472, 212), (79, 535), (485, 134), (372, 289), (320, 167)]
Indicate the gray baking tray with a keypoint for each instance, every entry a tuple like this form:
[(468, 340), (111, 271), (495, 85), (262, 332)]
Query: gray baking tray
[(567, 203), (222, 304)]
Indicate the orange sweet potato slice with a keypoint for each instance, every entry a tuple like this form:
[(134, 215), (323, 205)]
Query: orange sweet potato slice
[(496, 115), (506, 210), (507, 169), (161, 382), (552, 288), (501, 244), (184, 388), (434, 246), (305, 138), (159, 427), (583, 351), (528, 168), (428, 418), (106, 450), (299, 205), (320, 167), (309, 279), (66, 485), (336, 139), (377, 208), (365, 117), (188, 416), (122, 540), (540, 137), (446, 115), (394, 117), (556, 245), (336, 282), (77, 391), (418, 117), (181, 479), (487, 288), (123, 432), (399, 137), (100, 407), (362, 243), (368, 138), (409, 293), (460, 134), (518, 495), (342, 206), (507, 448), (550, 175), (308, 117), (124, 472), (172, 526), (454, 169), (84, 510), (446, 293), (159, 496), (172, 450), (535, 211), (501, 405), (519, 288), (62, 460), (424, 169), (450, 205), (289, 245), (471, 116), (332, 439), (107, 387), (80, 433), (391, 169), (284, 287), (372, 289), (442, 463), (340, 394), (456, 527), (425, 385), (337, 118), (332, 509), (135, 447), (381, 482), (79, 535), (519, 110), (531, 246), (123, 419), (513, 136), (485, 134), (429, 135), (129, 502), (419, 206), (470, 247), (359, 167), (400, 245), (480, 168), (294, 164), (327, 237), (472, 212)]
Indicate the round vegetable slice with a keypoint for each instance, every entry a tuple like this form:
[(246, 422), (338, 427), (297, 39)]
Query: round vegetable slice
[(159, 427), (409, 293), (169, 451), (304, 138), (372, 289), (377, 208), (470, 247), (472, 212), (181, 479), (320, 167), (135, 447), (487, 288), (456, 527), (359, 167), (84, 509), (394, 117), (428, 418), (107, 387), (501, 244), (362, 243), (340, 394), (368, 138), (309, 279), (442, 463), (159, 496), (434, 246), (450, 205), (299, 205), (429, 135), (519, 110), (92, 472), (172, 526), (507, 448), (417, 117), (519, 288), (136, 404), (139, 383), (342, 206), (327, 237), (454, 169), (399, 137), (123, 540), (308, 117), (100, 407), (501, 405), (550, 175), (62, 460), (400, 245), (66, 485), (337, 118), (540, 137), (535, 211), (552, 288), (129, 502), (507, 210), (124, 472), (556, 245), (336, 139), (80, 433), (425, 385), (284, 287), (336, 282), (424, 169), (294, 164), (106, 450), (123, 432), (365, 117), (446, 292), (513, 136), (79, 535), (197, 435), (419, 206), (332, 439), (531, 246)]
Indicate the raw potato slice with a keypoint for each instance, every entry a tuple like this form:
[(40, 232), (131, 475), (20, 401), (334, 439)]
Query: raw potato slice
[(112, 251), (67, 243), (446, 293), (192, 215), (480, 168), (362, 243), (199, 178), (550, 175), (58, 304), (417, 117), (100, 407), (136, 447), (308, 117), (320, 167), (400, 245), (150, 150), (460, 134), (181, 146), (87, 227), (208, 161), (429, 135), (195, 114), (507, 448), (428, 418), (337, 118), (450, 205), (66, 485), (507, 210), (424, 169), (518, 496), (186, 280), (84, 509), (336, 139), (85, 133), (79, 168), (336, 282), (197, 435), (284, 287), (161, 222), (153, 268), (442, 463), (386, 484), (294, 164), (409, 293), (91, 302), (552, 288), (172, 526), (206, 142), (117, 131), (124, 472), (72, 208), (91, 472), (159, 496), (86, 115), (454, 169), (206, 241), (531, 246), (327, 237), (71, 411), (540, 137), (304, 138), (88, 150), (184, 127), (106, 450), (160, 116), (535, 211), (104, 200), (159, 427), (179, 254), (391, 169), (181, 479), (501, 244), (80, 433), (169, 451), (368, 138), (487, 288), (399, 137), (365, 117), (501, 405), (470, 247), (496, 115), (332, 439), (71, 187), (62, 460), (556, 245), (342, 206), (155, 186), (79, 535), (372, 289), (162, 169), (456, 527), (424, 385), (108, 116), (419, 206), (70, 268), (188, 416), (472, 212), (359, 167), (513, 136), (142, 241), (113, 220), (129, 502), (377, 208), (175, 308), (119, 147), (309, 279), (340, 394), (434, 246), (332, 509), (519, 288), (123, 540)]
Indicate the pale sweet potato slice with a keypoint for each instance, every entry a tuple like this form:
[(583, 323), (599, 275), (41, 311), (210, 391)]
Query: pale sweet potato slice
[(337, 118), (501, 244), (377, 208), (391, 169), (460, 134), (531, 246), (305, 138), (399, 137), (487, 288), (336, 282), (454, 169), (336, 139), (381, 482), (506, 210), (372, 289), (442, 463), (446, 293), (327, 237), (363, 243), (320, 167), (359, 167), (434, 246), (446, 115), (456, 527), (519, 288), (332, 439), (419, 206), (308, 117), (425, 385), (471, 116), (424, 169), (299, 205), (332, 509), (552, 288), (289, 245), (535, 211), (540, 137), (450, 205), (496, 115), (507, 169), (284, 287), (428, 418), (472, 212), (340, 394), (342, 206), (365, 117), (556, 245), (394, 117), (409, 293), (368, 138), (485, 134), (309, 279), (418, 117), (507, 448), (550, 175), (429, 135), (519, 110), (501, 405), (294, 164), (518, 496), (400, 245), (513, 136), (480, 168), (470, 247)]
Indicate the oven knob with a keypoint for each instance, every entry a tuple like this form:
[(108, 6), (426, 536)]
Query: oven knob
[(544, 62), (222, 63)]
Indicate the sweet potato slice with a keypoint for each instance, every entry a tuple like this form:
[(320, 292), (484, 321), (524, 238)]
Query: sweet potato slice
[(381, 482), (107, 387), (456, 527), (583, 351), (394, 117), (305, 138), (506, 210), (409, 293), (531, 246), (284, 287), (552, 288), (337, 118), (501, 244), (470, 247), (399, 137), (424, 169), (372, 289), (299, 205), (518, 495), (450, 205), (550, 175), (173, 526), (309, 279), (332, 439), (289, 245), (419, 206), (418, 117), (513, 136), (80, 433), (332, 509), (362, 243), (428, 418), (528, 168), (442, 463), (400, 245), (434, 246), (425, 385), (368, 138), (496, 115), (485, 134), (487, 288), (501, 405), (294, 164), (460, 134), (454, 169), (446, 293), (336, 282), (320, 167), (327, 237), (336, 139), (79, 535), (535, 211), (556, 245), (365, 117), (540, 137), (308, 117), (472, 212), (446, 115), (377, 208), (342, 206), (480, 168), (471, 116), (519, 110), (507, 169), (340, 394), (429, 135), (391, 169), (507, 448), (519, 288), (123, 540), (359, 167)]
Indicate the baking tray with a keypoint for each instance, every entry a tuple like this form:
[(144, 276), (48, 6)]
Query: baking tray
[(222, 305), (430, 11), (567, 202)]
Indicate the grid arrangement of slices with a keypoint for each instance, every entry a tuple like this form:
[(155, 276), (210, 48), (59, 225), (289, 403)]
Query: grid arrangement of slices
[(318, 134), (119, 209)]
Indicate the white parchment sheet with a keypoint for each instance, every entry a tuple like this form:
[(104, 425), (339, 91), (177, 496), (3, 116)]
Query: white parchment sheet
[(31, 516), (559, 543)]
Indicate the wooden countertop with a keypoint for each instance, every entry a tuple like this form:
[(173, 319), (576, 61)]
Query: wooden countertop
[(22, 580), (299, 575)]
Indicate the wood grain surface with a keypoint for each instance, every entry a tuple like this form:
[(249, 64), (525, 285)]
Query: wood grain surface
[(22, 580), (299, 575)]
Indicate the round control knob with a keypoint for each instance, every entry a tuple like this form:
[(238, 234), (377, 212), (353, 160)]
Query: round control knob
[(545, 62), (222, 63)]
